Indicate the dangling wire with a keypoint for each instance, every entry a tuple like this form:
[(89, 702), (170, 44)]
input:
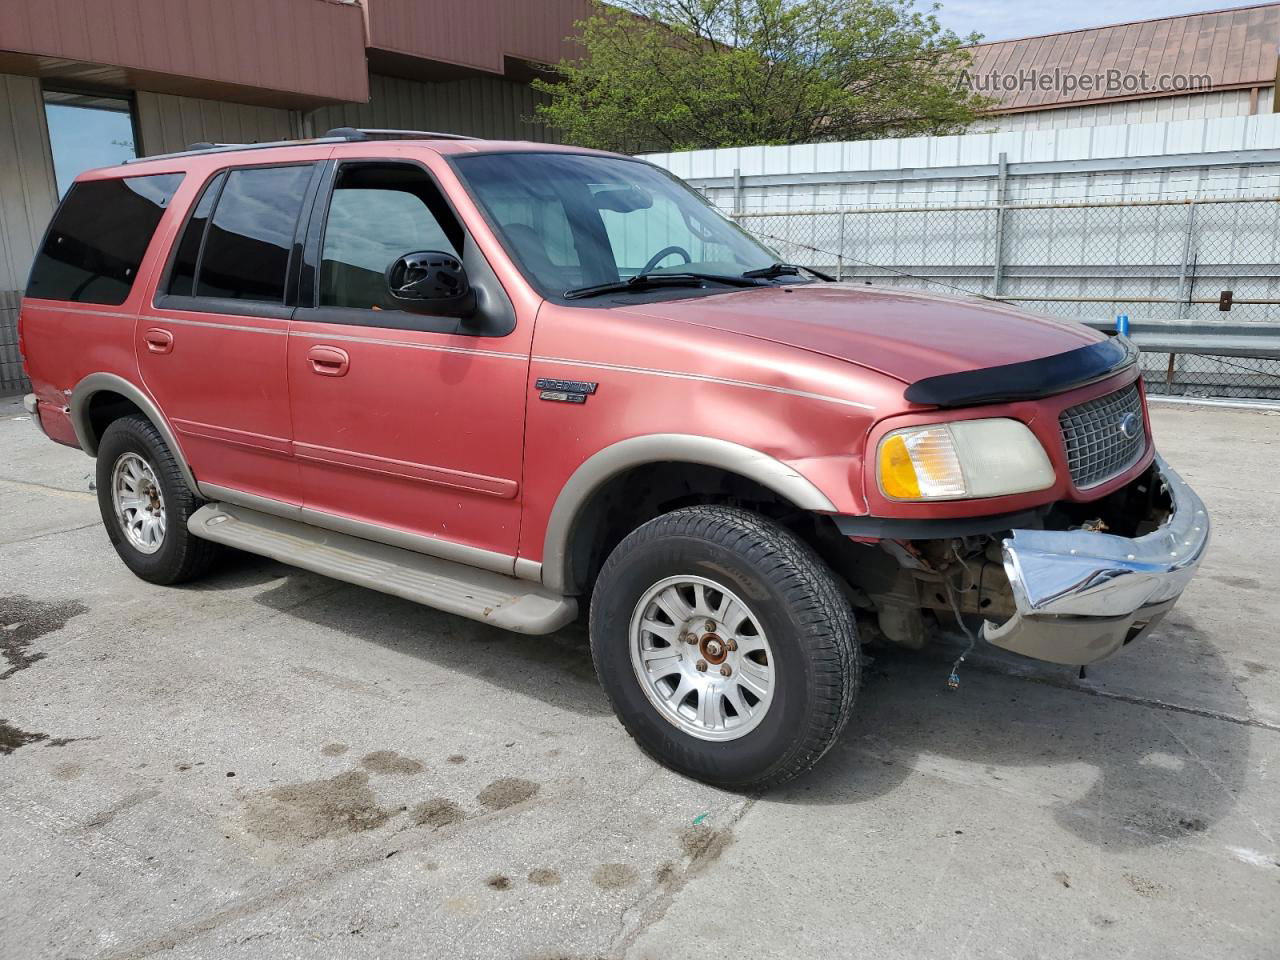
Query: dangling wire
[(953, 679)]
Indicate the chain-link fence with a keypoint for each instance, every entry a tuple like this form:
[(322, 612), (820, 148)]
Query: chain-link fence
[(1149, 259)]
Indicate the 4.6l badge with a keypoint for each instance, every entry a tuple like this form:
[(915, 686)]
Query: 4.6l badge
[(565, 391)]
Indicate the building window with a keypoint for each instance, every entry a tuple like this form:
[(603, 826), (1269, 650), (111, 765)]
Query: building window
[(87, 131)]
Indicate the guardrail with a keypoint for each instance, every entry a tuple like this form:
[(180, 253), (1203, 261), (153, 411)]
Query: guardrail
[(1220, 340), (1203, 361)]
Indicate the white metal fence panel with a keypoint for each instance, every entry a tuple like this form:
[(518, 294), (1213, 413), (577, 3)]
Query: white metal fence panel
[(1151, 221)]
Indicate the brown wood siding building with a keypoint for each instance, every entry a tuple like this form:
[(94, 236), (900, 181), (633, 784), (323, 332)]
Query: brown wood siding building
[(431, 39), (284, 53)]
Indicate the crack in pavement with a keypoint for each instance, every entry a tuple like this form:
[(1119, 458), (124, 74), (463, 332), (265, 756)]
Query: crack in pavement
[(1132, 698), (50, 533), (666, 894), (46, 489)]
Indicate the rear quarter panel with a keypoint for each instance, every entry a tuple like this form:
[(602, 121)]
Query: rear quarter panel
[(65, 342)]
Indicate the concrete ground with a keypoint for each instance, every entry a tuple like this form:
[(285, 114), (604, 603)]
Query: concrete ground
[(272, 764)]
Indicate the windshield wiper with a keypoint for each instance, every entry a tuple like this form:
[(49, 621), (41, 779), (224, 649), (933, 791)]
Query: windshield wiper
[(645, 281), (775, 270)]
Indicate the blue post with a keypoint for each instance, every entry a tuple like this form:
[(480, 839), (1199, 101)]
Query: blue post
[(1122, 324)]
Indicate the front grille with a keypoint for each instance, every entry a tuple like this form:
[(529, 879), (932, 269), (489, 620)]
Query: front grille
[(1097, 447)]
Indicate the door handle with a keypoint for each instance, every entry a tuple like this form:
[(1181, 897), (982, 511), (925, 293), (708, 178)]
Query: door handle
[(329, 361), (158, 341)]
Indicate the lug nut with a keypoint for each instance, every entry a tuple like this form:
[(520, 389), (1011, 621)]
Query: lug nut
[(690, 638), (730, 643), (711, 626), (725, 670), (701, 666)]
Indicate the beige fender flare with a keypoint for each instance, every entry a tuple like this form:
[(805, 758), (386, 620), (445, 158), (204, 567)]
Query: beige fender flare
[(664, 448), (96, 383)]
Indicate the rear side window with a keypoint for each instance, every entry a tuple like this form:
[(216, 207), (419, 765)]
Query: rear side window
[(182, 281), (98, 238), (238, 241)]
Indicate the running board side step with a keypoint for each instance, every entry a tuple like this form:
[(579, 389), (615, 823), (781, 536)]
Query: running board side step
[(491, 598)]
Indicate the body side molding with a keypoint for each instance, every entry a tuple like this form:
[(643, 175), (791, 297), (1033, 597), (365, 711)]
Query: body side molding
[(96, 383), (417, 543), (658, 448)]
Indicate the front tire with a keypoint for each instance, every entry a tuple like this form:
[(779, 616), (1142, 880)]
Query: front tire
[(725, 646), (145, 503)]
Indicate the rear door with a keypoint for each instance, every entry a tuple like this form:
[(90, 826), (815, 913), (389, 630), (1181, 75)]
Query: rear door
[(411, 426), (212, 350)]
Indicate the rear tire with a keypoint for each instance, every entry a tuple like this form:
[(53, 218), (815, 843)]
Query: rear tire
[(145, 503), (773, 666)]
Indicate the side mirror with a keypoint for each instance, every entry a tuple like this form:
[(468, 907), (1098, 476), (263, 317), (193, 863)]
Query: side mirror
[(433, 282)]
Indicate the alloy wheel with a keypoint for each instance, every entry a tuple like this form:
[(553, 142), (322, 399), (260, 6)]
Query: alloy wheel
[(702, 658), (139, 502)]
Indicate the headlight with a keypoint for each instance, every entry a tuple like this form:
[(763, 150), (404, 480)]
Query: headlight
[(962, 460)]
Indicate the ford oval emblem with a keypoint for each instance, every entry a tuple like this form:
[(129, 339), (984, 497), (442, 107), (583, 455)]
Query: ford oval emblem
[(1129, 426)]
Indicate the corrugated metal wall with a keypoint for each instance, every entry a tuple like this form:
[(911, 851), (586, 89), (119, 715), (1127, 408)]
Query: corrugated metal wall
[(168, 123), (479, 107), (913, 170), (27, 198), (1199, 106)]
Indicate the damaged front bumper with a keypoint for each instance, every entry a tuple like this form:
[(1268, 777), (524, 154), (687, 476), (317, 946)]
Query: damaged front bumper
[(1081, 596)]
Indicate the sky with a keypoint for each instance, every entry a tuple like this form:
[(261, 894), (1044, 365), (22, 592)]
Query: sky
[(1005, 19)]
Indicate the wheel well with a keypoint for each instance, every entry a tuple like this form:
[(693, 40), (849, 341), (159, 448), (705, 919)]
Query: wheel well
[(105, 407), (639, 494)]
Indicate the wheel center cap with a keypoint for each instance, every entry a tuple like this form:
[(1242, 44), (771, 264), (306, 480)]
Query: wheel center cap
[(713, 648)]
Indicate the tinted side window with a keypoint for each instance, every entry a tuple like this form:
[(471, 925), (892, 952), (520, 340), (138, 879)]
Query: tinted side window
[(379, 212), (182, 280), (98, 238), (246, 250)]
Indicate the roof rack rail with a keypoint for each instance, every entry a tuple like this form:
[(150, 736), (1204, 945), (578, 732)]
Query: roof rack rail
[(337, 135), (200, 148), (369, 133)]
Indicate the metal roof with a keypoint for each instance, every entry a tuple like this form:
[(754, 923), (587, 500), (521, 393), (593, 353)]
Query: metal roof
[(1236, 49)]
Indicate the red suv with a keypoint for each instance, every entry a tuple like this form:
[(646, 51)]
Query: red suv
[(512, 380)]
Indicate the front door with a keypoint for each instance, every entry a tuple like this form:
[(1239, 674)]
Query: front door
[(412, 426), (212, 348)]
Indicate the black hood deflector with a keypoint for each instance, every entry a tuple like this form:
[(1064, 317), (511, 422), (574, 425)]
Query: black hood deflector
[(1027, 380)]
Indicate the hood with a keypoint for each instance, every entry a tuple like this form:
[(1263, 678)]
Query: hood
[(904, 334)]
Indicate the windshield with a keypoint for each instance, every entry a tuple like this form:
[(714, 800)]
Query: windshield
[(573, 221)]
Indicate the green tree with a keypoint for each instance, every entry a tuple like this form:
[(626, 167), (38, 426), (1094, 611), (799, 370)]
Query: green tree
[(686, 74)]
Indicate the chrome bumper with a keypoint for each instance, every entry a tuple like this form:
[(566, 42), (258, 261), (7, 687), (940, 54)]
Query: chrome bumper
[(1082, 596)]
